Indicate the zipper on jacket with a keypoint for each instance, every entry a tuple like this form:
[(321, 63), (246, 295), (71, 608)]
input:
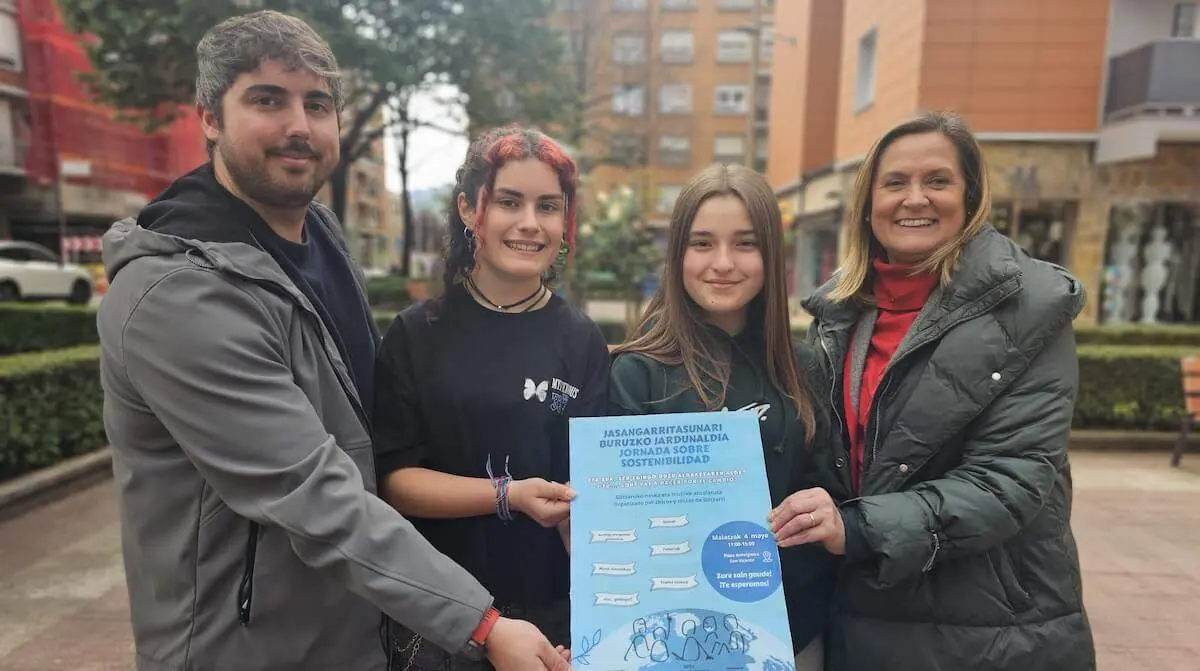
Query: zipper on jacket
[(887, 376), (276, 287), (937, 545), (346, 388), (833, 375), (246, 587)]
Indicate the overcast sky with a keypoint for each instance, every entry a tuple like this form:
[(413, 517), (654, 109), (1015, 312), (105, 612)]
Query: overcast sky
[(433, 155)]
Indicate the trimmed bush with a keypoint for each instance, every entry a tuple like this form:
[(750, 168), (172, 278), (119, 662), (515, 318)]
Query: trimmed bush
[(389, 292), (51, 402), (51, 408), (1160, 335), (1137, 388), (33, 328)]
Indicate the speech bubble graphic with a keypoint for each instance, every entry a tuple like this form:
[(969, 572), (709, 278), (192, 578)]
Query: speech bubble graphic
[(670, 549), (668, 522), (673, 583), (614, 536), (603, 599), (613, 569)]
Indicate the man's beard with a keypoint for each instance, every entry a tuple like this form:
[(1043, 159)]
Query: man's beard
[(253, 179)]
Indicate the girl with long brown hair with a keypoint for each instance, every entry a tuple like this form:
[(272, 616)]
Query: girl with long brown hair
[(716, 337)]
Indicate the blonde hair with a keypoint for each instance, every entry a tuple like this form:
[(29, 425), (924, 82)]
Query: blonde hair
[(855, 272), (672, 332)]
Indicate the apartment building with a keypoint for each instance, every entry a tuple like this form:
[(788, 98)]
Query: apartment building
[(671, 86), (69, 166), (1088, 112), (367, 221), (13, 109)]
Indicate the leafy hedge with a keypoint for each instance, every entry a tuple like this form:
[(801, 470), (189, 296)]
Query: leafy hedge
[(1159, 335), (1138, 387), (51, 402), (388, 293), (51, 408), (33, 328)]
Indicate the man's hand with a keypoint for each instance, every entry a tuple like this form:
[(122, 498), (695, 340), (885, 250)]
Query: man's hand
[(547, 503), (516, 645)]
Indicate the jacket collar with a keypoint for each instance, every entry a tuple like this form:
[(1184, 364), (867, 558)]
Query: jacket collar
[(987, 273)]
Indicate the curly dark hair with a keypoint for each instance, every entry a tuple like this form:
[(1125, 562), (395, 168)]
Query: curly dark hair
[(476, 177)]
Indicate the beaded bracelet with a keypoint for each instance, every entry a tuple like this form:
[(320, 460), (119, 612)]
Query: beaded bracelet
[(501, 484)]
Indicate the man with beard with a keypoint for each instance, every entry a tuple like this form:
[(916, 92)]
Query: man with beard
[(237, 357)]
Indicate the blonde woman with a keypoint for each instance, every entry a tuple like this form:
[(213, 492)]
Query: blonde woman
[(955, 378)]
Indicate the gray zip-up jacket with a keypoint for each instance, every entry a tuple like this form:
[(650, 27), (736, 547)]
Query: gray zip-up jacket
[(252, 535)]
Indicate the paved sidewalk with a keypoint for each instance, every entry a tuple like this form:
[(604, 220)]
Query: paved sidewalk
[(63, 603), (1138, 525)]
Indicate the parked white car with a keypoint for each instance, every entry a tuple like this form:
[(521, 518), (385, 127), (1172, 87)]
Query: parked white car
[(31, 272)]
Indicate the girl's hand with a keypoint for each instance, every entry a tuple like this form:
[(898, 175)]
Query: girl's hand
[(547, 503)]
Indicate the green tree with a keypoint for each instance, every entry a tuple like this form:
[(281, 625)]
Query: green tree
[(144, 53), (616, 252)]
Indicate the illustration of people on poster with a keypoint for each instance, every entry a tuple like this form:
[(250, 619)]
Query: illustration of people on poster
[(672, 564)]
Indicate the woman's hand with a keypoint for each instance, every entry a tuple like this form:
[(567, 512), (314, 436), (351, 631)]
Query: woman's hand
[(809, 516), (547, 503)]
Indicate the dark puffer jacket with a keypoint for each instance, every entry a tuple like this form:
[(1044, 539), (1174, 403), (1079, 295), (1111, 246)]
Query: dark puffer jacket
[(959, 548)]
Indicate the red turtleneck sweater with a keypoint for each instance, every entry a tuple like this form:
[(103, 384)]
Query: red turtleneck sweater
[(899, 296)]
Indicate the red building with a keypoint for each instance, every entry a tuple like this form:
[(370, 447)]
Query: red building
[(111, 167)]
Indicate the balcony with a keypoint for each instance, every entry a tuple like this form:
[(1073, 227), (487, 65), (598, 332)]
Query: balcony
[(1153, 95), (1159, 78)]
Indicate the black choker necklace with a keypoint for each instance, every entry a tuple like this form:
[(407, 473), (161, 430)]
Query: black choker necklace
[(504, 308)]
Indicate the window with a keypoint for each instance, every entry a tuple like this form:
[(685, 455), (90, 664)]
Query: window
[(1184, 23), (678, 4), (667, 195), (675, 99), (730, 148), (766, 44), (677, 46), (675, 149), (734, 47), (15, 254), (864, 84), (627, 148), (629, 48), (10, 43), (43, 255), (735, 4), (8, 146), (732, 99), (628, 5), (629, 100)]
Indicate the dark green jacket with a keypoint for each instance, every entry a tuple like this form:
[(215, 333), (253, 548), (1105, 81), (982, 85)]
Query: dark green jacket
[(639, 385), (959, 548)]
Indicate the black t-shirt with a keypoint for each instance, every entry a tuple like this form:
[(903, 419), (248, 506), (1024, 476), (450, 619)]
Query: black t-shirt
[(473, 385), (327, 271)]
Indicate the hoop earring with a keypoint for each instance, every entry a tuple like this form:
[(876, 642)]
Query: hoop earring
[(469, 236)]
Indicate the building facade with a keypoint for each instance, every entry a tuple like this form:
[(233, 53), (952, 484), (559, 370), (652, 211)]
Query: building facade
[(1088, 113), (14, 106), (68, 166), (367, 221), (671, 86)]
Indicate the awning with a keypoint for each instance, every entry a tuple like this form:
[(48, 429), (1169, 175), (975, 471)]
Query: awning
[(830, 219)]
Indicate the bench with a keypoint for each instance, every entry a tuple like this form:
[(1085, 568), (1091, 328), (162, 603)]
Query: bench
[(1190, 368)]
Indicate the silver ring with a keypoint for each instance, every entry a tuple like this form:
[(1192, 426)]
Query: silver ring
[(812, 520)]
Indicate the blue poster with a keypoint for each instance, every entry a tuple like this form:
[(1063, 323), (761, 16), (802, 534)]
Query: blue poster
[(673, 567)]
